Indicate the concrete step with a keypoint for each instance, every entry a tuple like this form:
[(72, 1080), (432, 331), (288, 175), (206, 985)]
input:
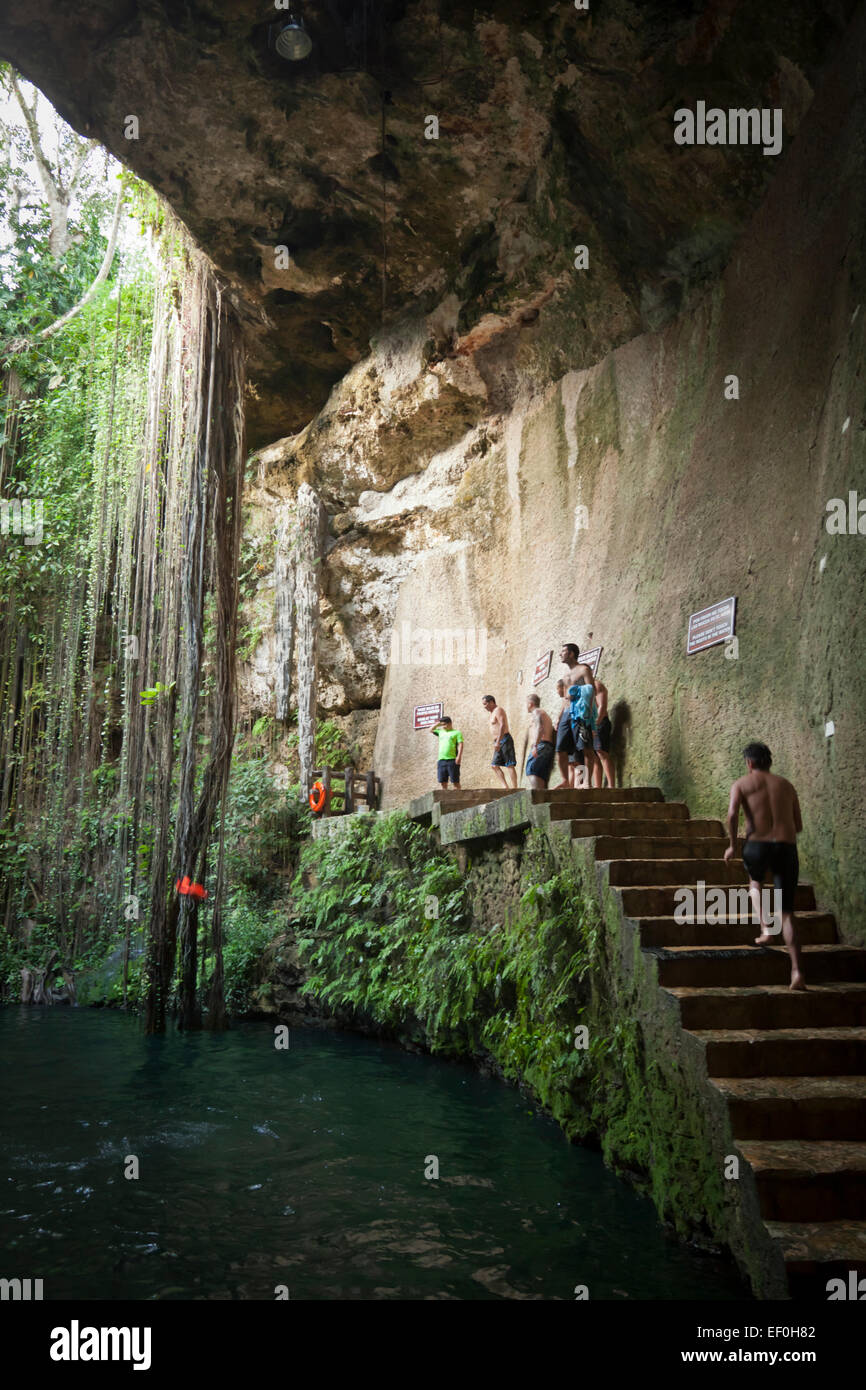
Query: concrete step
[(663, 900), (623, 831), (772, 1006), (815, 1252), (723, 966), (422, 807), (783, 1051), (619, 811), (813, 928), (817, 1108), (801, 1180), (665, 847), (462, 800), (602, 796), (644, 873)]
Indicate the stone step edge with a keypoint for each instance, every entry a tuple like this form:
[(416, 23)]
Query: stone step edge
[(727, 991), (744, 951), (834, 1032), (820, 1242), (804, 1157), (748, 1089)]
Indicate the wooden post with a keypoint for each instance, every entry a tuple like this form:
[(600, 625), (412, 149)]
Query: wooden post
[(325, 779), (349, 798), (370, 789)]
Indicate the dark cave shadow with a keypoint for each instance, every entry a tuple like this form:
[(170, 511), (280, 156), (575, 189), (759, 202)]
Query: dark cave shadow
[(620, 738)]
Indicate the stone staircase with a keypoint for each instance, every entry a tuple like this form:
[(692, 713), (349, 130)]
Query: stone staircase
[(791, 1067)]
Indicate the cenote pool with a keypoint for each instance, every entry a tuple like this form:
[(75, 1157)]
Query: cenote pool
[(302, 1168)]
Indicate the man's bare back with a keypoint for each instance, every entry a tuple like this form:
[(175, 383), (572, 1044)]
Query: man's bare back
[(773, 821), (770, 806), (541, 726)]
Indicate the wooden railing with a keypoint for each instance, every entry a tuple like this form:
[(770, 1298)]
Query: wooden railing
[(358, 787)]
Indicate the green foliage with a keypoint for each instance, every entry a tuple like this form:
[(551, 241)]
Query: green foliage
[(373, 946), (264, 826), (250, 926), (332, 749), (249, 639), (153, 693)]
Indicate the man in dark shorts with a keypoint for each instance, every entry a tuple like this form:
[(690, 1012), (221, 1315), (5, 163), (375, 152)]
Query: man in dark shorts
[(773, 822), (542, 749), (583, 732), (570, 761), (504, 762), (450, 753)]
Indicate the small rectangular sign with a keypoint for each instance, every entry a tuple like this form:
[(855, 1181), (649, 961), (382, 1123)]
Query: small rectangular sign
[(425, 716), (542, 668), (592, 659), (711, 625)]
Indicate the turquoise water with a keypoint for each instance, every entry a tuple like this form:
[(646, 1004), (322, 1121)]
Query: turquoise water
[(303, 1168)]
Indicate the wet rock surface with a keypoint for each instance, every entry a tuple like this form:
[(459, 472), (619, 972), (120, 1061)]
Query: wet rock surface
[(554, 130)]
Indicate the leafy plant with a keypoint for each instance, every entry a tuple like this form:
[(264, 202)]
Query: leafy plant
[(154, 692), (388, 932)]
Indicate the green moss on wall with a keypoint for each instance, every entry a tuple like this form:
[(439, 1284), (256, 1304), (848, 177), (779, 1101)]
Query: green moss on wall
[(506, 962), (394, 934)]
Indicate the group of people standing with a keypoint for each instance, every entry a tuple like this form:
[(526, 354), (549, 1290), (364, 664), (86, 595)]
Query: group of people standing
[(583, 729), (580, 742)]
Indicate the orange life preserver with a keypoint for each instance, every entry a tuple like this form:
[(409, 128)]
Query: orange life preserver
[(317, 803)]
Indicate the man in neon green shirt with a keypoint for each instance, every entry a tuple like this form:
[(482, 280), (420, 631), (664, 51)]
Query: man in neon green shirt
[(450, 752)]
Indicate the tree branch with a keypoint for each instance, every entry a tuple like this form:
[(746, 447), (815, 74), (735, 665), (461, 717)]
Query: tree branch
[(46, 173), (101, 274), (82, 154), (17, 345)]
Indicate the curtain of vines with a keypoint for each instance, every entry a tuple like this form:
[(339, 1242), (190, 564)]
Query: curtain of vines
[(117, 666)]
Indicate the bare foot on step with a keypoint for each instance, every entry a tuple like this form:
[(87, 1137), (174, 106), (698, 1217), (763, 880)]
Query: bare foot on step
[(798, 983)]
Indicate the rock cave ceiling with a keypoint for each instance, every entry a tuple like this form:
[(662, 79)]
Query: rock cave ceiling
[(555, 130)]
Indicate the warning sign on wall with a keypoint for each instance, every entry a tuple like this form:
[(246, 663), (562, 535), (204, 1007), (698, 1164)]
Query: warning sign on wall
[(592, 659), (542, 668), (711, 625), (425, 716)]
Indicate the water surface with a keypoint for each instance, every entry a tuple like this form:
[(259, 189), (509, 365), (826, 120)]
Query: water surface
[(302, 1168)]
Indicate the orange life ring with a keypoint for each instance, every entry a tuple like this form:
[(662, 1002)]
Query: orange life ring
[(317, 802)]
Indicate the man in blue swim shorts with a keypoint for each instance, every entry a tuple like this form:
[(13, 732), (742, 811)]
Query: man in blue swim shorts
[(542, 749), (504, 762)]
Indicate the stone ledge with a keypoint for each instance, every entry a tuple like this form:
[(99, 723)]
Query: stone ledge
[(329, 826)]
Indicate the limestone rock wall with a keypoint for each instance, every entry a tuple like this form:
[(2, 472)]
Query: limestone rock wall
[(690, 497), (470, 503), (554, 130)]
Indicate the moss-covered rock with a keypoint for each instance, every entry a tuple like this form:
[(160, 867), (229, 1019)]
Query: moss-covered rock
[(515, 953)]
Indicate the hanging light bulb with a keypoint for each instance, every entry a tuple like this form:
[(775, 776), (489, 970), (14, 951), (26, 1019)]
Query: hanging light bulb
[(293, 41)]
